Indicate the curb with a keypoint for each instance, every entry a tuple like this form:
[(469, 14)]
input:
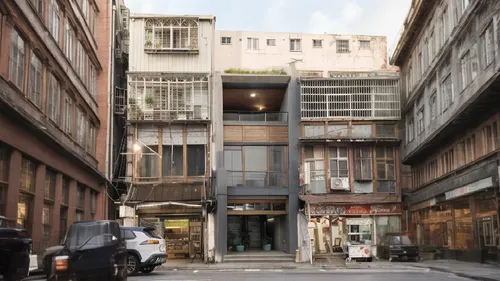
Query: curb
[(439, 269)]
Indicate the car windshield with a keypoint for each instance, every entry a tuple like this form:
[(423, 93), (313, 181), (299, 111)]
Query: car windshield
[(400, 240), (83, 236)]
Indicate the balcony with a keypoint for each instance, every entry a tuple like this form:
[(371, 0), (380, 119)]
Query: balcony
[(166, 98), (260, 117)]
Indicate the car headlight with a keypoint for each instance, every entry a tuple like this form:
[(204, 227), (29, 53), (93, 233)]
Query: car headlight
[(61, 263)]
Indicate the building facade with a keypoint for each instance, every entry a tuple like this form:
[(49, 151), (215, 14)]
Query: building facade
[(277, 96), (53, 92), (169, 102), (449, 58)]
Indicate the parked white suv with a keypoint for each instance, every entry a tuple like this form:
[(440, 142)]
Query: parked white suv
[(146, 250)]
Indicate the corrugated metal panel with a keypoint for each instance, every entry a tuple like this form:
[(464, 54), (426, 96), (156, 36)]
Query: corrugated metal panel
[(139, 60), (173, 134), (197, 134)]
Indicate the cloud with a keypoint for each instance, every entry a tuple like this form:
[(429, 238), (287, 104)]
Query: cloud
[(351, 12), (320, 22), (275, 15)]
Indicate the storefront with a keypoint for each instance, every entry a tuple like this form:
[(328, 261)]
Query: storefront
[(463, 225), (333, 225)]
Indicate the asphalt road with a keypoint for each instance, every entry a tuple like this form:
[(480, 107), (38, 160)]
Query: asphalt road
[(295, 276)]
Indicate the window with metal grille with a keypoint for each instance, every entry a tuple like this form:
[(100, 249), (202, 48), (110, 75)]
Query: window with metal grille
[(28, 171), (363, 163), (350, 99), (317, 43), (364, 45), (386, 169), (225, 40), (171, 34), (16, 61), (342, 46), (50, 185), (295, 45), (35, 85)]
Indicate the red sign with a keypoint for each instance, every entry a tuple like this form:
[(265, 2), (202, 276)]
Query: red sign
[(357, 210), (386, 209)]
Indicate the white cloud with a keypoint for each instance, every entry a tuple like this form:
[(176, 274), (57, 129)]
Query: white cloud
[(275, 15), (320, 22)]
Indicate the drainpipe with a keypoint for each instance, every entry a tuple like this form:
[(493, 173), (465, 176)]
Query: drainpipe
[(111, 96)]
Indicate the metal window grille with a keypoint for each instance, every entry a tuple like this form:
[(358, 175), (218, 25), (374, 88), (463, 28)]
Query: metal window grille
[(167, 98), (364, 44), (350, 99), (317, 43), (225, 40), (342, 46), (171, 34)]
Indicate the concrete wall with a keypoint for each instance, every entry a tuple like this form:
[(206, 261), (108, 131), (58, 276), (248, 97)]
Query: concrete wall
[(237, 55)]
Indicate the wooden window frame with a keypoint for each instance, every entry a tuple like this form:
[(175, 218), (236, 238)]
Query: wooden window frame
[(68, 113), (53, 96), (16, 66), (50, 185), (359, 158), (385, 160), (35, 85), (28, 175), (341, 173), (54, 19)]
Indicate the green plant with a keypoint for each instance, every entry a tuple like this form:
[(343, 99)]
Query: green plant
[(244, 71), (149, 100), (148, 43), (267, 240)]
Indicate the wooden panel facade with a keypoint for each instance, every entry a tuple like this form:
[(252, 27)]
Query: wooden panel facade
[(263, 134)]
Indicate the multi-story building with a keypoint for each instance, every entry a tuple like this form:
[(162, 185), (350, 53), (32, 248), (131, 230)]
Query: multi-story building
[(449, 57), (283, 99), (53, 116), (169, 92)]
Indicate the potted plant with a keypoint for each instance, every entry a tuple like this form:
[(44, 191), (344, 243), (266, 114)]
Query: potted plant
[(240, 248), (148, 43), (267, 242)]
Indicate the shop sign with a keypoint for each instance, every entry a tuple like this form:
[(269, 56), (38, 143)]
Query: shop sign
[(358, 210), (470, 188), (386, 209)]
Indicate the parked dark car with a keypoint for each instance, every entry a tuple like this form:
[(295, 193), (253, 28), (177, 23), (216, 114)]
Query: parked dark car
[(92, 250), (15, 249), (396, 246)]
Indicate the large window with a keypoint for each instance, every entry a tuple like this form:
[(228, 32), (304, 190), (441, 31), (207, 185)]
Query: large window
[(80, 196), (315, 158), (53, 98), (196, 160), (25, 211), (69, 41), (252, 43), (50, 185), (487, 46), (28, 172), (35, 78), (173, 160), (91, 141), (342, 46), (386, 169), (54, 19), (363, 163), (46, 222), (80, 133), (17, 59), (256, 166), (295, 45), (68, 115), (171, 34), (339, 162)]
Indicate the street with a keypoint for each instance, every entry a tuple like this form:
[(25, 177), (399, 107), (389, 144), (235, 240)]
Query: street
[(297, 276)]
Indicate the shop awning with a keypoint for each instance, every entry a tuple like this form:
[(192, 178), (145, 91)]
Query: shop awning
[(351, 198), (160, 204)]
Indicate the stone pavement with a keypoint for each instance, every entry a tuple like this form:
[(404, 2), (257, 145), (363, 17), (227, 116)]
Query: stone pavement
[(475, 271)]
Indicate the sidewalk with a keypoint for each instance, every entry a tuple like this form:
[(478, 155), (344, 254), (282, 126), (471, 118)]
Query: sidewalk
[(475, 271)]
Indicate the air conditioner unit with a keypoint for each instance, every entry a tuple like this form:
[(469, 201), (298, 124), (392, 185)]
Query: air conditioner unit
[(339, 184)]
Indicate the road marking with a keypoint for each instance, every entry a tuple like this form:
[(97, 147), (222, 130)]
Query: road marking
[(253, 270)]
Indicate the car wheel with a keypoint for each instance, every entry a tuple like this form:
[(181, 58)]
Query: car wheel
[(132, 264), (148, 269)]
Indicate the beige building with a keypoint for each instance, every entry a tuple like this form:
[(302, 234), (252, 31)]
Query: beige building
[(317, 53)]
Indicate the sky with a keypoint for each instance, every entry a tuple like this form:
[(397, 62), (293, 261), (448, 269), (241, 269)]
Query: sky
[(363, 17)]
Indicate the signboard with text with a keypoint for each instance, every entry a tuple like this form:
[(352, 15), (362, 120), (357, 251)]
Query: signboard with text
[(361, 209)]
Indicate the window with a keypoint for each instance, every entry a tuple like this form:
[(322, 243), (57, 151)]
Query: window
[(420, 120), (173, 160), (50, 185), (490, 135), (447, 92), (363, 163), (128, 235), (256, 166), (295, 45), (93, 203), (53, 98), (93, 19), (4, 163), (271, 42), (421, 63), (91, 138), (433, 169), (28, 173), (314, 156), (225, 40), (445, 25), (468, 67), (433, 106), (63, 222), (233, 162), (342, 46), (410, 130), (338, 162), (79, 216), (277, 166), (171, 34), (68, 115), (85, 8), (17, 59), (364, 45), (38, 5), (196, 160), (432, 46), (65, 190), (487, 45), (35, 86), (25, 211), (470, 149), (92, 86), (317, 43), (80, 196), (385, 130), (80, 125), (46, 222), (69, 37), (252, 43), (386, 169), (54, 18), (80, 60), (425, 55)]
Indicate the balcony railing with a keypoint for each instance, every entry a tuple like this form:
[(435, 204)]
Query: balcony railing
[(256, 116)]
